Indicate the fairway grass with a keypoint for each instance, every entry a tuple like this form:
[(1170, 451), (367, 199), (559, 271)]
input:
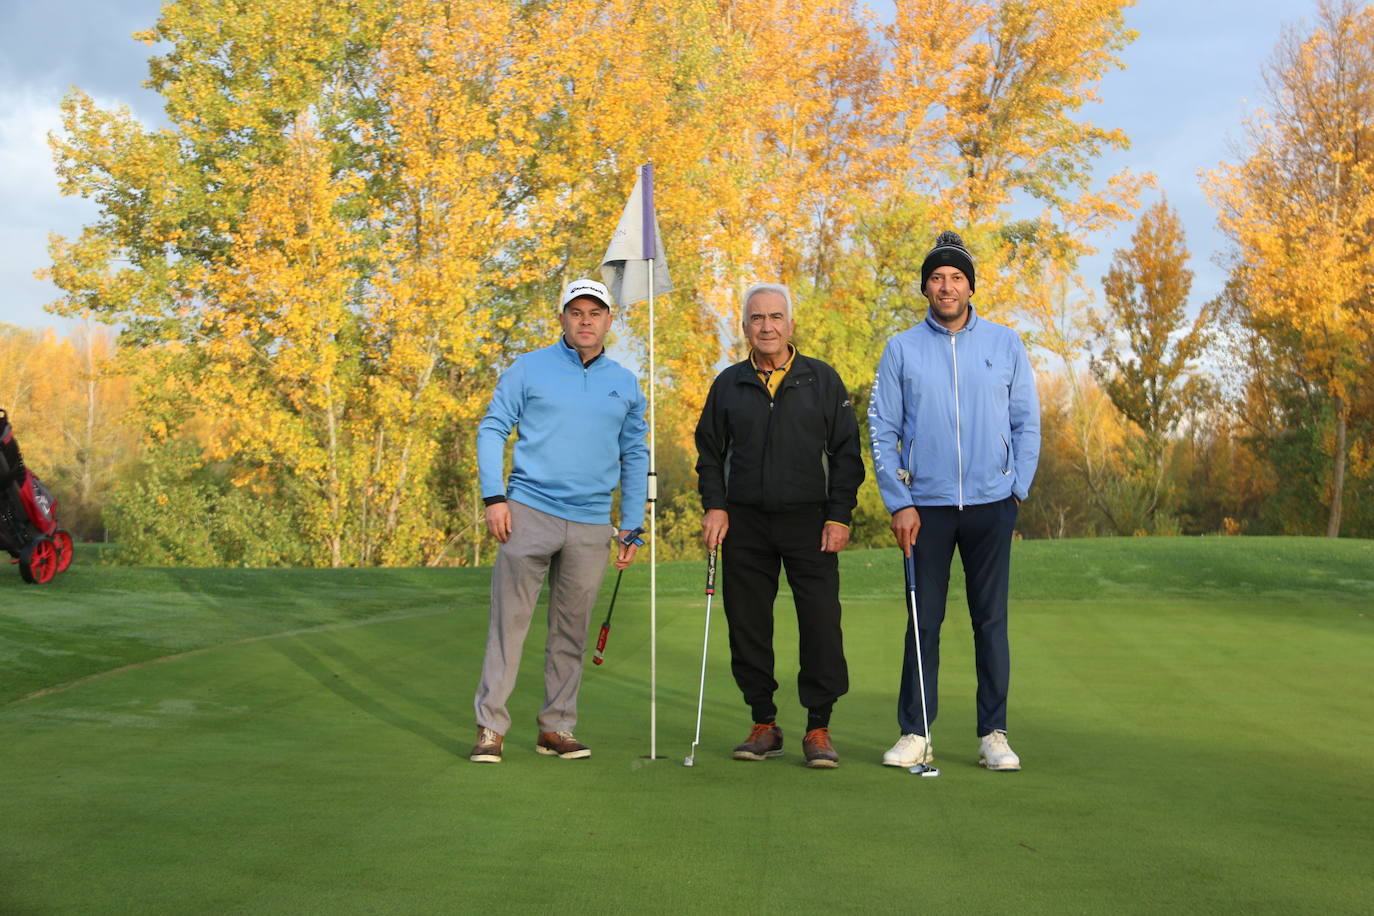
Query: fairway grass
[(1193, 716)]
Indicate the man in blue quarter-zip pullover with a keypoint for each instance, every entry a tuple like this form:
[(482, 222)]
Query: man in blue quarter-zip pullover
[(580, 417), (779, 466), (955, 424)]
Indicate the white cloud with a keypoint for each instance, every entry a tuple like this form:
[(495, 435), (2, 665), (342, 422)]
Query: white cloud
[(26, 171), (31, 202)]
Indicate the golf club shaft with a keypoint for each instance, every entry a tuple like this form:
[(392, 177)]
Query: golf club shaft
[(910, 567), (599, 656), (705, 641), (600, 653)]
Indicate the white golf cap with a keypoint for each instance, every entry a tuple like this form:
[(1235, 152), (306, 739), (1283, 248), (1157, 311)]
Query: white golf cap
[(577, 289)]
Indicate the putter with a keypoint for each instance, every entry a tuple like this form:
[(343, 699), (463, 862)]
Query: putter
[(632, 537), (705, 642), (921, 769)]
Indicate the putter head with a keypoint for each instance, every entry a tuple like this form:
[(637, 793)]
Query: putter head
[(924, 769), (689, 761)]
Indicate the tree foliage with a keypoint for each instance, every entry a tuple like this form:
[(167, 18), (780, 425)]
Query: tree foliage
[(1299, 207), (69, 409), (358, 213), (1148, 346)]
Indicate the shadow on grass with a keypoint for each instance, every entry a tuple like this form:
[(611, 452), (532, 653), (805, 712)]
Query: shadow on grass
[(337, 668), (331, 678)]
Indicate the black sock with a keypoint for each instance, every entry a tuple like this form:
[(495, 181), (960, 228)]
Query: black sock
[(764, 715), (817, 718)]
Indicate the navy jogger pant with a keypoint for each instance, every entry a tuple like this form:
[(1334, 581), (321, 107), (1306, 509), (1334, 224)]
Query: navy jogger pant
[(983, 536)]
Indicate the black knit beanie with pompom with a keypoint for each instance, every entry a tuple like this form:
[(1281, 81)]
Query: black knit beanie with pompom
[(949, 251)]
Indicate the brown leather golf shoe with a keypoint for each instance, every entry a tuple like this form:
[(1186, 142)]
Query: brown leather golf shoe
[(764, 741), (561, 744), (820, 753), (488, 749)]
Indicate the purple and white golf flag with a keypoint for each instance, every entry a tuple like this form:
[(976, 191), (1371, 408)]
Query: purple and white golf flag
[(625, 268)]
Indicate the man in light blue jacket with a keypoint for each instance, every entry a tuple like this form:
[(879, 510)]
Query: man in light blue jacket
[(580, 417), (955, 425)]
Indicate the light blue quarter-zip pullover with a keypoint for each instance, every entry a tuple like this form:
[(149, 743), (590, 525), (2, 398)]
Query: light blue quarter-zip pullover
[(954, 416), (581, 432)]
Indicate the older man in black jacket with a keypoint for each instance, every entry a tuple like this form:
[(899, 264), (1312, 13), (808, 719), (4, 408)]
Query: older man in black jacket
[(779, 470)]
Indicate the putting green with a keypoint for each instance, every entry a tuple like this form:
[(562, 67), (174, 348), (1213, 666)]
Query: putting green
[(1192, 715)]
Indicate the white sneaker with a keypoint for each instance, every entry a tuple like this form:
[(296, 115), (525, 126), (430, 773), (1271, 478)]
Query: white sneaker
[(908, 751), (995, 754)]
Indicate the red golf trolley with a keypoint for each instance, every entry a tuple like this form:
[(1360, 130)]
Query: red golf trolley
[(28, 516)]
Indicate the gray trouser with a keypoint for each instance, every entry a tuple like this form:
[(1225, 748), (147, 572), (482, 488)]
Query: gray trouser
[(574, 556)]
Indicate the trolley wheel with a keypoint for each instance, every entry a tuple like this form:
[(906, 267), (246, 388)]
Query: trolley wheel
[(62, 542), (38, 562)]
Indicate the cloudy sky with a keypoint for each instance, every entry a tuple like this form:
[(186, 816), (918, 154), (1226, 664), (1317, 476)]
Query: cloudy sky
[(1191, 77)]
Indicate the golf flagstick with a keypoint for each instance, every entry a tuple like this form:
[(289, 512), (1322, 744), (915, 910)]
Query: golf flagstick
[(636, 246), (650, 253), (705, 643), (923, 769)]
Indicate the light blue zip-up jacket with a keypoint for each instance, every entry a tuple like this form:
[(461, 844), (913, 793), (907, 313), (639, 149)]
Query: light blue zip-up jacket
[(958, 411), (581, 431)]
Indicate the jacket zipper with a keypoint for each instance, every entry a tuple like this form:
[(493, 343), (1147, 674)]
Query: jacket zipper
[(958, 432), (768, 434)]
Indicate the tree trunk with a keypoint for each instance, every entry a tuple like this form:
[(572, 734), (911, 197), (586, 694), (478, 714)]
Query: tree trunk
[(1333, 520), (335, 538), (85, 486)]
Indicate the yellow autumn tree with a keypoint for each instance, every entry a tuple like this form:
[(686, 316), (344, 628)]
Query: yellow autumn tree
[(278, 341), (981, 119), (1299, 208), (758, 117), (68, 406), (1081, 482), (358, 213), (986, 110), (1147, 347)]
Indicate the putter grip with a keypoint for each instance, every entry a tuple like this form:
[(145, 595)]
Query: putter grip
[(909, 564), (601, 644), (711, 572)]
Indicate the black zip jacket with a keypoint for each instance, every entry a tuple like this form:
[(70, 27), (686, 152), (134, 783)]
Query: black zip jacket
[(798, 449)]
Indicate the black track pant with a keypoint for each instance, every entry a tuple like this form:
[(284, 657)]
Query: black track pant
[(754, 546), (983, 536)]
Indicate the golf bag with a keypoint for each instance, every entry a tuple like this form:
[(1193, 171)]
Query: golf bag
[(28, 515)]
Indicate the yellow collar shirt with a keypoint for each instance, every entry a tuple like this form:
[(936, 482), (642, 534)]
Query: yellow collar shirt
[(772, 378)]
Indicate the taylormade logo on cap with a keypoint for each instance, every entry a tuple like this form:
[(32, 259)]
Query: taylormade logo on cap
[(588, 288)]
